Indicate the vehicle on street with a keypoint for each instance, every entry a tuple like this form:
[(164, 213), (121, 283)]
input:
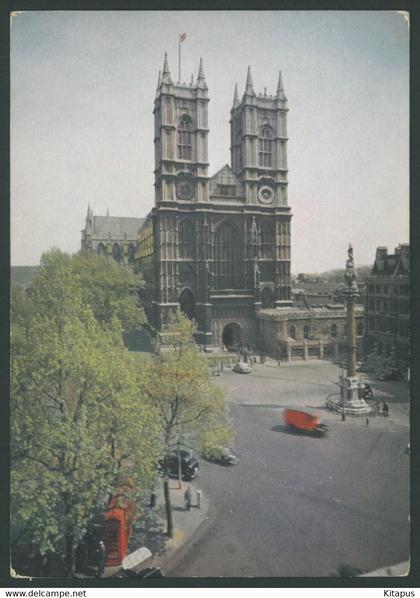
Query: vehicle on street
[(390, 373), (309, 422), (362, 366), (189, 465), (242, 367), (224, 457)]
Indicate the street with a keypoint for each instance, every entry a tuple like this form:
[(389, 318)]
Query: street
[(298, 505)]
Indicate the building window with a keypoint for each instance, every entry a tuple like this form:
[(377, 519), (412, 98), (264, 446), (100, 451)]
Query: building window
[(184, 139), (265, 147), (131, 250), (293, 332), (334, 331), (117, 253), (186, 239), (228, 262), (267, 298), (226, 190), (306, 332), (360, 329), (267, 241)]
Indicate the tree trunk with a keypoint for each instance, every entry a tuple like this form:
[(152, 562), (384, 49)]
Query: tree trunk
[(70, 564), (169, 530)]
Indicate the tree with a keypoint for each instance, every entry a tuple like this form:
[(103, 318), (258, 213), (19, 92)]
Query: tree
[(189, 403), (80, 422)]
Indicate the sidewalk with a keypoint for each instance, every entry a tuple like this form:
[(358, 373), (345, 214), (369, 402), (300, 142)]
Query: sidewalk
[(150, 530)]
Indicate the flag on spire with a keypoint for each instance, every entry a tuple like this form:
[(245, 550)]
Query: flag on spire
[(182, 37)]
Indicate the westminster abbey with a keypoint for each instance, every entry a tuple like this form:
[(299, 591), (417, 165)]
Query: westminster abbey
[(218, 247)]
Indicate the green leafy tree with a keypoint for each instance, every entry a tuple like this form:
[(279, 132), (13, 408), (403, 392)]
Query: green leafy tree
[(184, 394), (80, 422)]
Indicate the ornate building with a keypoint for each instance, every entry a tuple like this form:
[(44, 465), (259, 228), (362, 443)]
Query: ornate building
[(217, 247), (387, 306)]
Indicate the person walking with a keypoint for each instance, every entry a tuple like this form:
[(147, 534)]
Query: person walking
[(385, 409), (101, 557), (188, 498)]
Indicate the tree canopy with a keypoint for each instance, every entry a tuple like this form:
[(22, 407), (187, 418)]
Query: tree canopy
[(192, 408), (80, 420)]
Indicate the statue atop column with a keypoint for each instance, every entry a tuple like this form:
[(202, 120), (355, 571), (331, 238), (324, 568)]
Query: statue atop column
[(350, 274)]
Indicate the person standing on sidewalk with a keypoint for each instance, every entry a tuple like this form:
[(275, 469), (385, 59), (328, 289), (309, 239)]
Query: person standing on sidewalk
[(188, 498), (101, 556)]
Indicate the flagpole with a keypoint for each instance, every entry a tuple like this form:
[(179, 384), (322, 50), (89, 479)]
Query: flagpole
[(179, 59)]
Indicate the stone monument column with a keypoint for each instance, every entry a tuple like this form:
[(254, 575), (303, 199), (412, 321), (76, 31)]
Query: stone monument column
[(350, 400)]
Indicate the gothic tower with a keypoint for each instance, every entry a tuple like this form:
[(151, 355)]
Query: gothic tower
[(181, 187), (259, 161), (181, 132)]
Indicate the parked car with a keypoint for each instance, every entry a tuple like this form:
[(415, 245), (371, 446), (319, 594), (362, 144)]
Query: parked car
[(390, 373), (299, 420), (242, 367), (224, 457), (189, 465)]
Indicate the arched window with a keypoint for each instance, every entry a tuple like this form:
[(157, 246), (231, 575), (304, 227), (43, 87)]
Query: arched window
[(360, 329), (101, 250), (293, 332), (186, 239), (267, 241), (130, 253), (306, 332), (116, 252), (265, 147), (227, 258), (334, 330), (267, 298), (184, 135), (186, 303), (185, 273)]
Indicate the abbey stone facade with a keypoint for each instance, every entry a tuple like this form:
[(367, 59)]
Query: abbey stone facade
[(218, 247)]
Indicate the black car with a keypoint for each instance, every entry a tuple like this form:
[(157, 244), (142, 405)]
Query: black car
[(189, 465)]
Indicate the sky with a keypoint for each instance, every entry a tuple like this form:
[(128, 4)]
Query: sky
[(82, 90)]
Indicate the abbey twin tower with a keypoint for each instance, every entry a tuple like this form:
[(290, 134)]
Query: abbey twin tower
[(219, 247), (216, 247)]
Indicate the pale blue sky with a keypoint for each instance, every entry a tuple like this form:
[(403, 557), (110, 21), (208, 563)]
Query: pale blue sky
[(83, 85)]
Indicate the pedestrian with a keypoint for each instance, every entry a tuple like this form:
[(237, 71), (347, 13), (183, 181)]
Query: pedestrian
[(385, 409), (101, 557), (378, 406), (152, 499), (188, 498)]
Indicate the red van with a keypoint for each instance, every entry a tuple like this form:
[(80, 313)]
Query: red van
[(302, 420)]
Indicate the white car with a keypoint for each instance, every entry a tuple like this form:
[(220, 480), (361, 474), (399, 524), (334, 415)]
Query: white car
[(242, 367)]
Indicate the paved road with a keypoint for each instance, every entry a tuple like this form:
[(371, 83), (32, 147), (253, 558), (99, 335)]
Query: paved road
[(297, 505)]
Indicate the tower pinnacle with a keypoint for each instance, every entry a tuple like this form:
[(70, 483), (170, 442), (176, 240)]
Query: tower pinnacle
[(249, 87), (236, 97), (166, 75), (201, 79), (280, 89)]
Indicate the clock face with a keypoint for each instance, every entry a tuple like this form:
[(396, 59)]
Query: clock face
[(184, 189), (265, 195)]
